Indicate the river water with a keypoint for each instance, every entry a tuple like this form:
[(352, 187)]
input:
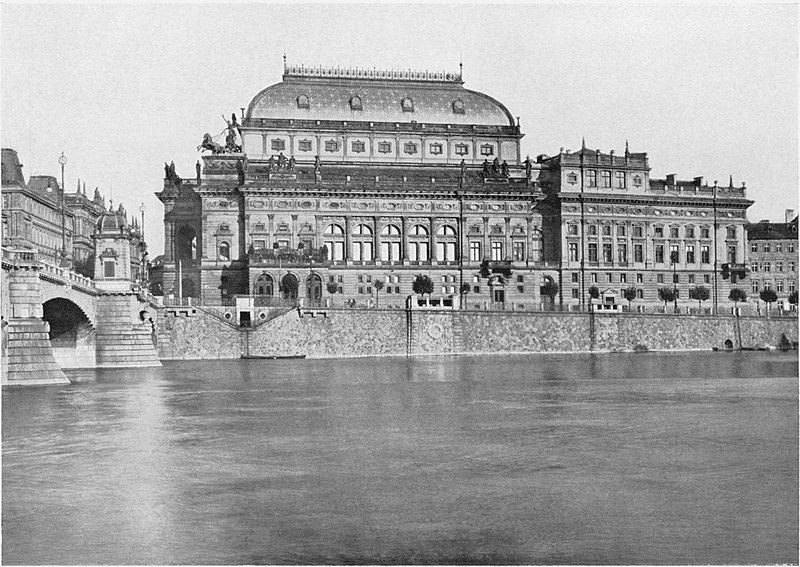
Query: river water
[(620, 458)]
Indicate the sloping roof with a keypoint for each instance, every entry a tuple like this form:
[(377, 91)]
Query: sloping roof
[(111, 221), (12, 168), (772, 230), (329, 98)]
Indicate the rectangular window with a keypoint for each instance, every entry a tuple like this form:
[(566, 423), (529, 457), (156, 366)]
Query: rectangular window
[(521, 289), (706, 278), (660, 278), (593, 252), (638, 232), (592, 230), (754, 287), (278, 144), (731, 232), (623, 278), (475, 251), (487, 150), (767, 266), (690, 254), (620, 177), (606, 179), (705, 255), (732, 254), (791, 286), (659, 253), (358, 147), (673, 232), (476, 289), (361, 289), (519, 250), (778, 266), (753, 266), (620, 230), (573, 251), (497, 250), (108, 268), (767, 247), (574, 294), (304, 145), (384, 147), (462, 149), (606, 230), (639, 278), (658, 232), (779, 285), (791, 266), (704, 233), (674, 254), (607, 254), (435, 149), (594, 278), (754, 247), (572, 230), (790, 247), (689, 232), (609, 278), (622, 253), (575, 277), (340, 279), (675, 278), (638, 253), (778, 247), (691, 278), (331, 146), (591, 178)]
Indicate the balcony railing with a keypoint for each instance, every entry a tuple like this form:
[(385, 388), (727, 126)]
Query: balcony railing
[(284, 256)]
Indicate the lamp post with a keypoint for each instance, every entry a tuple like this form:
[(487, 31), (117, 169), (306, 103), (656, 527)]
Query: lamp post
[(63, 161), (673, 257), (714, 206), (143, 268)]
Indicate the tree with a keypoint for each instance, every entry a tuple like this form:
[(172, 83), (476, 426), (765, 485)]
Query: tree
[(700, 293), (549, 289), (768, 296), (736, 295), (666, 294), (629, 293), (594, 293), (793, 298), (422, 284), (464, 289), (378, 285)]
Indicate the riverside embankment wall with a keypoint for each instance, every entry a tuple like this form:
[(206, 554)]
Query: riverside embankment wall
[(376, 332)]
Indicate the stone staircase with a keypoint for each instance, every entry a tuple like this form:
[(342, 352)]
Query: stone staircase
[(458, 344)]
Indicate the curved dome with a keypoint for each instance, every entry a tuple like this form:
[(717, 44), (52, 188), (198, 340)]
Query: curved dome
[(374, 98), (112, 221)]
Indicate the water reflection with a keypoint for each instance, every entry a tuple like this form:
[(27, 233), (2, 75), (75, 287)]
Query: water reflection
[(645, 458)]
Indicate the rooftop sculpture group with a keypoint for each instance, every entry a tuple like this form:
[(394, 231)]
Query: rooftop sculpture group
[(231, 146)]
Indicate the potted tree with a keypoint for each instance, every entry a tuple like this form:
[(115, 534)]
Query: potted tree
[(464, 289), (378, 285), (736, 295), (332, 288), (666, 294), (629, 293), (769, 297), (793, 298), (549, 289), (701, 294)]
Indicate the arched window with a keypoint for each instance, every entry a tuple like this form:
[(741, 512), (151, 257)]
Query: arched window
[(362, 230), (446, 230), (333, 229), (418, 230), (390, 244), (224, 252), (264, 285), (390, 230)]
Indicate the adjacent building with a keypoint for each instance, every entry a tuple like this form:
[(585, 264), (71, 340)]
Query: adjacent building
[(773, 258), (613, 227)]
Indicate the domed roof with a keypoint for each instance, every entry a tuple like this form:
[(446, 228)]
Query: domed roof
[(112, 221), (376, 96)]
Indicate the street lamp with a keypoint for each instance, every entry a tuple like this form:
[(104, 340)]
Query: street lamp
[(673, 258), (143, 268), (63, 161)]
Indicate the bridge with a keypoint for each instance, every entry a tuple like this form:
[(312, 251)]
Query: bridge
[(55, 319)]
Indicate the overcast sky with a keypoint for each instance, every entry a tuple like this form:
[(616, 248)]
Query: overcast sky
[(705, 90)]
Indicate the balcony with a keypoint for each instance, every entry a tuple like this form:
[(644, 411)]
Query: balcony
[(289, 257)]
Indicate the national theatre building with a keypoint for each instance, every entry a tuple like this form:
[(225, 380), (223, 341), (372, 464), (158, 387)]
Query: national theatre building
[(334, 179)]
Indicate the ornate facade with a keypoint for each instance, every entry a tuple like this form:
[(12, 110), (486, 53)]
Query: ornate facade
[(336, 179), (613, 227), (346, 178), (774, 258)]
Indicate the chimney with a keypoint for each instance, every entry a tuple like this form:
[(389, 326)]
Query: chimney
[(789, 216), (670, 179)]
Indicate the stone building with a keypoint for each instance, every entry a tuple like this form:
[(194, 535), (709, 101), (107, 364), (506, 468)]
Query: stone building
[(339, 178), (33, 213), (613, 227), (773, 258)]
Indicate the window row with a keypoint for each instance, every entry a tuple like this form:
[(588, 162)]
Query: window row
[(388, 230), (769, 247), (592, 229), (356, 104), (594, 277), (383, 147), (779, 287), (756, 266)]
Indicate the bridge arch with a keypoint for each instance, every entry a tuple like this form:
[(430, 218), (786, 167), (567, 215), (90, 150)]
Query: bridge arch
[(72, 335)]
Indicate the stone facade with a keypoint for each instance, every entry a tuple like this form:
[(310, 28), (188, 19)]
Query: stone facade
[(613, 227), (773, 259)]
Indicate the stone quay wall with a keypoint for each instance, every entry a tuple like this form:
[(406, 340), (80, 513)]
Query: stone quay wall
[(335, 333)]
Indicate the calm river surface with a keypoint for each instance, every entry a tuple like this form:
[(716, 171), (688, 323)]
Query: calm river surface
[(624, 458)]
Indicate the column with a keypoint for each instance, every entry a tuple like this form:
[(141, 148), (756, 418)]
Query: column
[(376, 240), (432, 241), (270, 231), (348, 252), (508, 251), (487, 252), (293, 241), (404, 239)]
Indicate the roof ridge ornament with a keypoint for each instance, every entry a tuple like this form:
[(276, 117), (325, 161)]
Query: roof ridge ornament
[(372, 73)]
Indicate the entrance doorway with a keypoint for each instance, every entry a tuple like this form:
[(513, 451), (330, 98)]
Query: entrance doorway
[(314, 288), (289, 287)]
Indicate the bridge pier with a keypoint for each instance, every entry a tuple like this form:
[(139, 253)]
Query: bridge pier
[(121, 339)]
